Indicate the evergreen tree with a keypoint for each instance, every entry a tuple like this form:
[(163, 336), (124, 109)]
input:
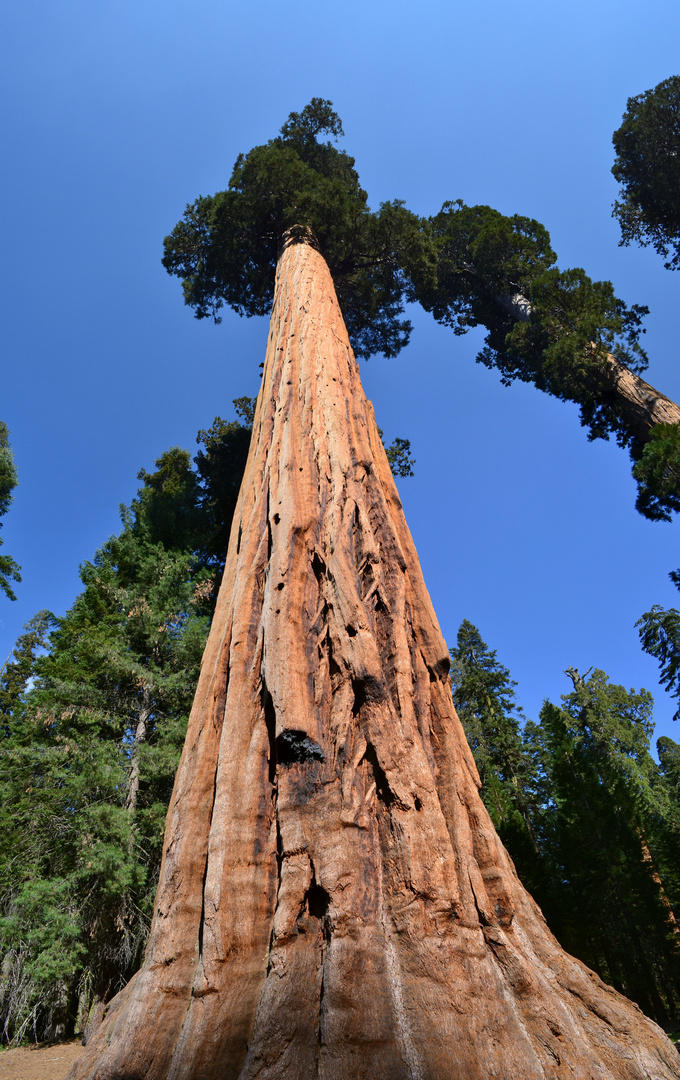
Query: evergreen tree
[(669, 760), (608, 839), (93, 708), (399, 456), (570, 336), (220, 464), (9, 569), (20, 666), (485, 701), (660, 637), (226, 247), (90, 751), (647, 166), (669, 768), (588, 817), (301, 833)]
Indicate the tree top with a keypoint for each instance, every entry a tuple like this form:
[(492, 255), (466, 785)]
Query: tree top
[(226, 246)]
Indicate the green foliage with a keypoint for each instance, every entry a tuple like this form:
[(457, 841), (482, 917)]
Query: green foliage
[(165, 507), (468, 265), (93, 715), (658, 474), (485, 701), (482, 256), (590, 820), (220, 465), (8, 473), (546, 326), (19, 668), (245, 408), (120, 672), (660, 637), (398, 454), (608, 840), (226, 246), (669, 760), (647, 167), (9, 568), (669, 765)]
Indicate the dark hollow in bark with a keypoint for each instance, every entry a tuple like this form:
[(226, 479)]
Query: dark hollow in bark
[(334, 902)]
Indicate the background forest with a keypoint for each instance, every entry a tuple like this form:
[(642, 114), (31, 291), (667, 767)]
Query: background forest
[(119, 118)]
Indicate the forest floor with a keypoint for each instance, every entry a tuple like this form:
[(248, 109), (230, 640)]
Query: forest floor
[(52, 1061), (46, 1061)]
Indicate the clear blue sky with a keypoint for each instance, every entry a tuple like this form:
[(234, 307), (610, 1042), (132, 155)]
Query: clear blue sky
[(116, 114)]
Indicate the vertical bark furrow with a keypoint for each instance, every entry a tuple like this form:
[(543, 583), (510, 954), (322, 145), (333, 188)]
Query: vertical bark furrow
[(360, 919)]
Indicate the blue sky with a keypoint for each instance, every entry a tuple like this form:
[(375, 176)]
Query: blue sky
[(119, 113)]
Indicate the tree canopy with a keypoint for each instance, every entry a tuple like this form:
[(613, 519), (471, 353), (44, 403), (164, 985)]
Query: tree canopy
[(570, 336), (647, 167), (226, 246), (553, 328), (660, 637)]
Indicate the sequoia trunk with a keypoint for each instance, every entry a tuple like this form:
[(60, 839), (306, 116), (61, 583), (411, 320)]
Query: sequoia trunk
[(637, 402), (334, 902)]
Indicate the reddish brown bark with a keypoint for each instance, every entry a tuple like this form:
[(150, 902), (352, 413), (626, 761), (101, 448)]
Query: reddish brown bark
[(640, 405), (334, 901)]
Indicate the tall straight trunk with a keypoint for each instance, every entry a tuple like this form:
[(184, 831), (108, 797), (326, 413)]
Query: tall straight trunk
[(334, 902)]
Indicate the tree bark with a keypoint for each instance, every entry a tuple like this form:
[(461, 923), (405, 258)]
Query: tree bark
[(638, 402), (140, 737), (334, 902)]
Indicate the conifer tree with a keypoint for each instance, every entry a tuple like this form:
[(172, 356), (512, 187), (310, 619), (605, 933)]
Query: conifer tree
[(669, 759), (647, 167), (660, 637), (606, 833), (570, 336), (601, 817), (486, 703), (9, 569), (20, 666), (469, 265), (333, 899), (226, 247), (89, 754)]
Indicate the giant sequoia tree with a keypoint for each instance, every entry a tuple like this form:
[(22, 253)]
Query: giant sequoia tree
[(570, 336), (333, 900)]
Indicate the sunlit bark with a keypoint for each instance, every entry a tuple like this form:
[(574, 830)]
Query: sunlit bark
[(334, 902)]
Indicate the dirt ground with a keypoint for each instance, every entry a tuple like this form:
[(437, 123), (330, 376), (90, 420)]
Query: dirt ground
[(39, 1062)]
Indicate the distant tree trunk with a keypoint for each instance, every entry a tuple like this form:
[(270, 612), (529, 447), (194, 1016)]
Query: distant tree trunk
[(141, 731), (663, 895), (638, 402), (334, 902)]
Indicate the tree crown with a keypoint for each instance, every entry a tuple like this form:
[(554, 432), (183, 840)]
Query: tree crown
[(226, 246), (647, 167)]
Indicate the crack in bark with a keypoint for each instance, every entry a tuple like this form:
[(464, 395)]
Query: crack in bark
[(205, 872)]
